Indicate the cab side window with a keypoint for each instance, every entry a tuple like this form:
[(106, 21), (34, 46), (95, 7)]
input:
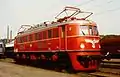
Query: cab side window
[(55, 32), (63, 31), (49, 33)]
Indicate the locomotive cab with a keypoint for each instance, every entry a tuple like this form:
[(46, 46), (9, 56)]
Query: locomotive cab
[(83, 44)]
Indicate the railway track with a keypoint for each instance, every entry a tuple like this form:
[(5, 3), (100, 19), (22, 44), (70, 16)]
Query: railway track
[(110, 65), (102, 72), (114, 63), (107, 69)]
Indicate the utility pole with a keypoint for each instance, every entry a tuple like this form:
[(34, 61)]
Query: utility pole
[(11, 35), (8, 33)]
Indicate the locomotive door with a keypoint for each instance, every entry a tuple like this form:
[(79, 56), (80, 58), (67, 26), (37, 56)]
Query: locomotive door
[(63, 37)]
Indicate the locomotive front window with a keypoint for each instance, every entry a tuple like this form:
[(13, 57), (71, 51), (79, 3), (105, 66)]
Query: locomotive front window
[(91, 30), (84, 30), (88, 30), (95, 31)]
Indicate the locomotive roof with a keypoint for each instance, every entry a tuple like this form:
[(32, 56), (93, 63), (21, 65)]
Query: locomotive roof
[(43, 26)]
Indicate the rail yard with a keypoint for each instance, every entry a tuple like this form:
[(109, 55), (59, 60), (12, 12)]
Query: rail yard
[(107, 68), (68, 46)]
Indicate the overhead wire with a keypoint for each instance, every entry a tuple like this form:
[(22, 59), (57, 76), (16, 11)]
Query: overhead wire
[(108, 2), (111, 10), (108, 10), (84, 3)]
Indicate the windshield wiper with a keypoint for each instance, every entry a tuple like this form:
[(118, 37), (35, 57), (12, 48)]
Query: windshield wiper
[(83, 32)]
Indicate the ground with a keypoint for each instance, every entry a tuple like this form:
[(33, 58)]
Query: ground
[(8, 68), (15, 70)]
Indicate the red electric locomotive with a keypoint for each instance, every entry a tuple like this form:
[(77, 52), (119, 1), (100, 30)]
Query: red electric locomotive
[(69, 41)]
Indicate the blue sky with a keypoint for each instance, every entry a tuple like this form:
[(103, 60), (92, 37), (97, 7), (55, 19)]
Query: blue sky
[(18, 12)]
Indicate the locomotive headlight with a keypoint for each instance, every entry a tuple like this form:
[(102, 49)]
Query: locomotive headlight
[(82, 45), (99, 46), (15, 50)]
